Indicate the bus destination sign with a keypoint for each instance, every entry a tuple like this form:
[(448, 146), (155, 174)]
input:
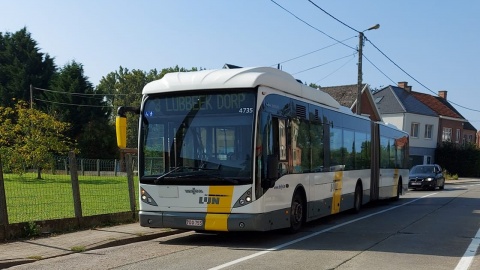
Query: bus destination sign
[(215, 103)]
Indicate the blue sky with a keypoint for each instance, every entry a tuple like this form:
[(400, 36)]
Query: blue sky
[(435, 42)]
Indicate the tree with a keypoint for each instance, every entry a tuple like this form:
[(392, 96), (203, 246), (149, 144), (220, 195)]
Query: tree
[(21, 65), (74, 100), (31, 138)]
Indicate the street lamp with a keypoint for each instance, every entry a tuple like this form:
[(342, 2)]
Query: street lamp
[(360, 56)]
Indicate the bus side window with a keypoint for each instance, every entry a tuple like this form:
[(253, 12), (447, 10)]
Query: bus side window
[(282, 139), (276, 160)]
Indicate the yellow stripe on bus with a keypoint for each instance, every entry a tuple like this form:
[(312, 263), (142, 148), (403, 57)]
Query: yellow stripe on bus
[(337, 192), (220, 198), (216, 222)]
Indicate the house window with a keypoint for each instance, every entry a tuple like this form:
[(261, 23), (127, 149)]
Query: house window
[(458, 136), (467, 138), (447, 135), (414, 130), (428, 131)]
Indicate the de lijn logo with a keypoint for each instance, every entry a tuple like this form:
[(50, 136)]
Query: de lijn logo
[(210, 199)]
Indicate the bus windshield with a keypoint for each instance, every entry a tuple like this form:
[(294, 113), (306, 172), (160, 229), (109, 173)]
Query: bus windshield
[(198, 139)]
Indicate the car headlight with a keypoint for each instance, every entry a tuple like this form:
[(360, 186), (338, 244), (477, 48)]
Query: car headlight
[(429, 179)]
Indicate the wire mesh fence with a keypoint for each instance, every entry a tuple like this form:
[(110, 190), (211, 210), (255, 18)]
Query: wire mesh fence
[(103, 188)]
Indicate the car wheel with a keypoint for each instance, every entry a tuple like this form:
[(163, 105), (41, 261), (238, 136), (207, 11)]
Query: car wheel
[(442, 186), (297, 213)]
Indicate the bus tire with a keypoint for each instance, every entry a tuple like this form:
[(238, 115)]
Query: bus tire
[(358, 199), (297, 212), (399, 191)]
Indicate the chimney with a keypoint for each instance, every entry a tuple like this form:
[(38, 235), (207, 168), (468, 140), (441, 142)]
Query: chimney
[(405, 86), (443, 94)]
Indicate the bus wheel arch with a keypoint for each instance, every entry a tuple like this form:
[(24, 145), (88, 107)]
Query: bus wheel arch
[(298, 210), (358, 197)]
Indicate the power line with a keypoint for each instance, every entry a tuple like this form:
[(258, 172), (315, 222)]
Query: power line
[(379, 70), (333, 17), (298, 18), (71, 104), (83, 94), (322, 64), (328, 46), (331, 73)]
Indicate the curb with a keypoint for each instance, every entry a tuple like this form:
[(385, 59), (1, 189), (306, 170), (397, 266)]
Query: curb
[(135, 239), (104, 244)]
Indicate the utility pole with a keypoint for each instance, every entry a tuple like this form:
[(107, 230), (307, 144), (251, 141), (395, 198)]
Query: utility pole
[(359, 82), (360, 57)]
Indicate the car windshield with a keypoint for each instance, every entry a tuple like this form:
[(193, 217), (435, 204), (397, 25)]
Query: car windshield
[(205, 137), (423, 169)]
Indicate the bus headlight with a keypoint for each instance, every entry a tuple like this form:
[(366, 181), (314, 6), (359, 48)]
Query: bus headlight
[(146, 198), (245, 199)]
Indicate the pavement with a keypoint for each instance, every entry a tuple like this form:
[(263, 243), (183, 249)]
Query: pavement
[(31, 250)]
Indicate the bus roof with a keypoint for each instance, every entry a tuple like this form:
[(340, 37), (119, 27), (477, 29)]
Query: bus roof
[(238, 78)]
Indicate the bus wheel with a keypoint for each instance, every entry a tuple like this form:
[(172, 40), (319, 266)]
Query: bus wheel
[(399, 190), (357, 202), (297, 213)]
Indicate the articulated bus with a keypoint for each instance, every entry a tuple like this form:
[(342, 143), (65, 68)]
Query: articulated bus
[(253, 149)]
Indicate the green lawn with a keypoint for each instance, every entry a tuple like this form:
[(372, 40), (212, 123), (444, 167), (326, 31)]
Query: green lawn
[(30, 199)]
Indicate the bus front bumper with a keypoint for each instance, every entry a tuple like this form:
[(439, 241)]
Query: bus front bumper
[(215, 221)]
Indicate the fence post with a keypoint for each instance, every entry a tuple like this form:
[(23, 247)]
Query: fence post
[(66, 166), (77, 204), (3, 206), (82, 166), (131, 186), (98, 167), (115, 164)]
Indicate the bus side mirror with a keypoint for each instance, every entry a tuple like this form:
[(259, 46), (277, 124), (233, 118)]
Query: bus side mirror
[(121, 130), (121, 124)]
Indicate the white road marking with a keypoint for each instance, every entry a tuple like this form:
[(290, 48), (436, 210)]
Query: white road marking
[(312, 235), (470, 253)]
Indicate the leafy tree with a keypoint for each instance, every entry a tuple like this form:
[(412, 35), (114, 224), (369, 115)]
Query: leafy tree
[(21, 65), (74, 100), (31, 138)]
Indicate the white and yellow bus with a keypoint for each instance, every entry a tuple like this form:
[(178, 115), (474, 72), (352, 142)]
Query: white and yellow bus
[(252, 149)]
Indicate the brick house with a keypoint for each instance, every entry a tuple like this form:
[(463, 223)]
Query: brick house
[(453, 127), (430, 120)]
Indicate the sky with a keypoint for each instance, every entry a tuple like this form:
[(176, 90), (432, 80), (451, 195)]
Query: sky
[(431, 44)]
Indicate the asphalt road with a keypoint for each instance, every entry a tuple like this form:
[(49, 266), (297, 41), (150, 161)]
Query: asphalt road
[(422, 230)]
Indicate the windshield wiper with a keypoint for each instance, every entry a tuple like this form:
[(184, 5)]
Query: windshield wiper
[(167, 173), (176, 169), (209, 177)]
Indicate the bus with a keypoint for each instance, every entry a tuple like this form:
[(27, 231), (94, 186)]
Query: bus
[(253, 149)]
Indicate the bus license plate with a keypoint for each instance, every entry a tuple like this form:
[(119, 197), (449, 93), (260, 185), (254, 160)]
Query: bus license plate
[(195, 222)]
